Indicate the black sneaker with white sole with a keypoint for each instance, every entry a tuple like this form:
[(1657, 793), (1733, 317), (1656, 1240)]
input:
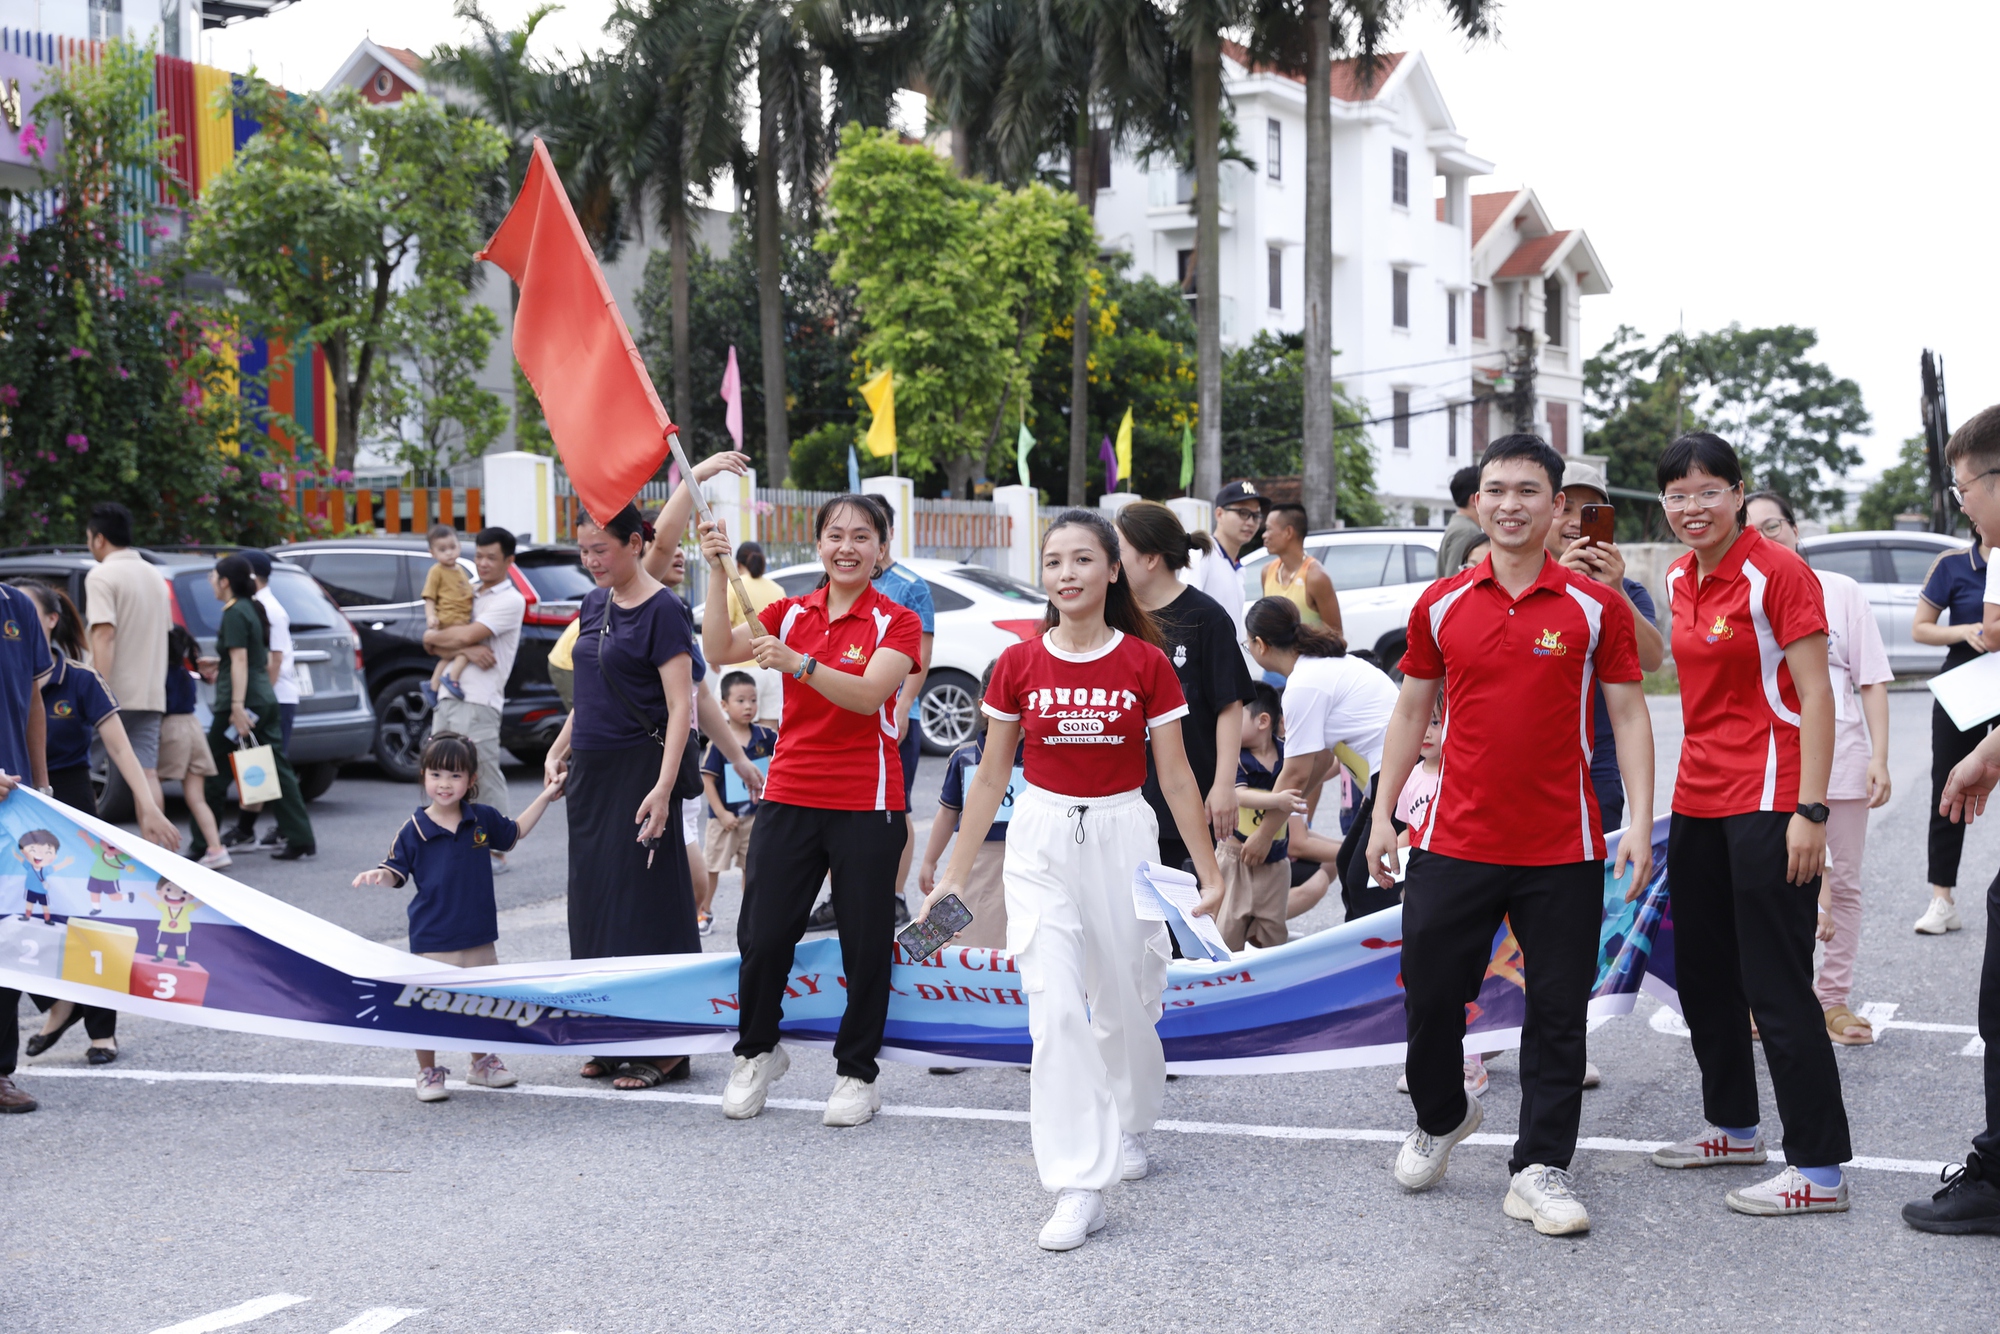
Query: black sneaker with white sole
[(240, 836), (294, 852), (1969, 1202)]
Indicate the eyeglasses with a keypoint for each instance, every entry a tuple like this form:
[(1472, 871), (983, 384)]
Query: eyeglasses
[(1958, 495), (1676, 501), (1243, 511), (1772, 526)]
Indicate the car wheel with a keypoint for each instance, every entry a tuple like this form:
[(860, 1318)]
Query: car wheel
[(402, 723), (315, 779), (114, 799), (1389, 655), (949, 711)]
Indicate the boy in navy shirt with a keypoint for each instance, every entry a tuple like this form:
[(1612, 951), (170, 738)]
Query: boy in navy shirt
[(735, 811), (447, 848), (1254, 897)]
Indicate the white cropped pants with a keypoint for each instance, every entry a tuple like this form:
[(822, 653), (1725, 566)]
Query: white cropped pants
[(1093, 972)]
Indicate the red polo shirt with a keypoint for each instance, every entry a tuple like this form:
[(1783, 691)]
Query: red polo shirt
[(829, 757), (1514, 778), (1738, 703)]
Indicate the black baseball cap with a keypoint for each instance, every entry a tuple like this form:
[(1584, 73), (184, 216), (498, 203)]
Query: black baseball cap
[(260, 561), (1238, 492)]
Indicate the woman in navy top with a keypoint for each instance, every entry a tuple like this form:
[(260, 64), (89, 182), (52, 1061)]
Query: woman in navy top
[(75, 702), (621, 749), (1956, 587)]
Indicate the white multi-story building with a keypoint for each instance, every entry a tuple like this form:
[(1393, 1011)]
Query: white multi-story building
[(1430, 282)]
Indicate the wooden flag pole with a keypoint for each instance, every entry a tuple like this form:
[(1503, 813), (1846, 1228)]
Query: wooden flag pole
[(707, 515)]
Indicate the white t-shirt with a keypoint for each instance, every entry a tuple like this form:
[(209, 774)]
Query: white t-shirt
[(286, 686), (1222, 579), (1855, 657), (1992, 584), (1342, 705), (500, 609)]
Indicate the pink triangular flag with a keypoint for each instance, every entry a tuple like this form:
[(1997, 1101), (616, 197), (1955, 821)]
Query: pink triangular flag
[(732, 394)]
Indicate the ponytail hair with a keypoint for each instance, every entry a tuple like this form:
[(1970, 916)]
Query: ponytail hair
[(1154, 530), (68, 634), (1121, 609), (1276, 622), (235, 571)]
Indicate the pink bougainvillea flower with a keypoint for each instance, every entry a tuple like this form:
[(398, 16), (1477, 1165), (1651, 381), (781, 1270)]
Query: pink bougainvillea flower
[(191, 397), (121, 373), (78, 442), (78, 353), (31, 142), (10, 395), (342, 476), (148, 280), (274, 480)]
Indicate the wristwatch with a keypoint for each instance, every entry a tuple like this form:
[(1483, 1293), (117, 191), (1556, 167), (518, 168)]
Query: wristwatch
[(1816, 812), (805, 668)]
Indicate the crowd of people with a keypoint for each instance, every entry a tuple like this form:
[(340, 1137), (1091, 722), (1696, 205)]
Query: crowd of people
[(1157, 718)]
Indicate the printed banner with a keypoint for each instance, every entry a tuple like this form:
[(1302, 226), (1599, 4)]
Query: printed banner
[(92, 914)]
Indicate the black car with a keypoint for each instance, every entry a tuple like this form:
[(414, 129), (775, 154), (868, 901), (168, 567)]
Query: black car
[(334, 723), (379, 581)]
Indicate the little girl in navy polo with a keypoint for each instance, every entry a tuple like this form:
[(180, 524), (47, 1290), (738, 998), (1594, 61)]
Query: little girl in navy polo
[(447, 848)]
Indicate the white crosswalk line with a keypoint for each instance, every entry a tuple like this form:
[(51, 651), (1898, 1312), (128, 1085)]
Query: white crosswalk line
[(1881, 1016), (241, 1314), (379, 1319)]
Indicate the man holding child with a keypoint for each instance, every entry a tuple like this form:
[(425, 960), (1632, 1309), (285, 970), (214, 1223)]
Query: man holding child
[(488, 643)]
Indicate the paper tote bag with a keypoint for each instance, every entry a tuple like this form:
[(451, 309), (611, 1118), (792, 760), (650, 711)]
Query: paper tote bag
[(256, 775)]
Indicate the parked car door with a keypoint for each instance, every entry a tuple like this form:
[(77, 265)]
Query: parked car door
[(1909, 565), (373, 588), (1864, 561)]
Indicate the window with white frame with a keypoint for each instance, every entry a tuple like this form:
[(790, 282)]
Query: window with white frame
[(1275, 265), (1451, 319), (1552, 309), (1399, 178), (1274, 154), (1399, 298), (1400, 406), (1479, 310), (1451, 430)]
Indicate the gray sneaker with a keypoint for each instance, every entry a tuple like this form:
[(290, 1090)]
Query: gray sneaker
[(1420, 1163), (1546, 1197), (490, 1072), (1786, 1194), (1712, 1148), (750, 1083), (853, 1102)]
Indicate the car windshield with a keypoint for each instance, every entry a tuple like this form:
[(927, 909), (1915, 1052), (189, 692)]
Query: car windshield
[(1005, 586), (556, 576), (309, 608)]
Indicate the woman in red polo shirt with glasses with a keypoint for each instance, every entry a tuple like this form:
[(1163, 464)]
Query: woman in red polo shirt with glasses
[(833, 801), (1748, 836)]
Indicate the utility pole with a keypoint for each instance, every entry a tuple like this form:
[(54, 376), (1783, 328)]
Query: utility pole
[(1521, 368), (1937, 430)]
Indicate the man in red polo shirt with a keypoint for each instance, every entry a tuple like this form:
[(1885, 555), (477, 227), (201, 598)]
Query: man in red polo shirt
[(1515, 644)]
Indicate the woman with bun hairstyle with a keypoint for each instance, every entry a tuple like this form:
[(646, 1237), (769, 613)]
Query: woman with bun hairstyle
[(621, 749), (832, 803), (1337, 711), (1199, 639), (1089, 694), (1748, 837)]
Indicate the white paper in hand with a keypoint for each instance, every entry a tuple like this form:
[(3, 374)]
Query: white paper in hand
[(1160, 894), (1970, 693)]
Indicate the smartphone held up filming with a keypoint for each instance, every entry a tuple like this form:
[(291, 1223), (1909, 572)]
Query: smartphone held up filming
[(1599, 523)]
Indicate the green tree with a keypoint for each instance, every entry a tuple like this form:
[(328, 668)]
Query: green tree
[(1788, 416), (111, 386), (1263, 414), (1903, 488), (428, 398), (956, 282), (336, 214)]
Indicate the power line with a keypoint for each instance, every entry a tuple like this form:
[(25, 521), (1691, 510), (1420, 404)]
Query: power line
[(1417, 365)]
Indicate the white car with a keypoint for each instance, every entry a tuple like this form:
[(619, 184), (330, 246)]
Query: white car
[(979, 613), (1891, 568), (1379, 574)]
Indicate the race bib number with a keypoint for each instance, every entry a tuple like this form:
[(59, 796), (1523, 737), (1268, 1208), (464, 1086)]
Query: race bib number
[(1247, 821), (734, 790), (1016, 784)]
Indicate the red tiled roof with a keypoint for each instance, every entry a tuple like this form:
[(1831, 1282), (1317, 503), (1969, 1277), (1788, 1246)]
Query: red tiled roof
[(1529, 257), (411, 60), (1346, 81), (1486, 210)]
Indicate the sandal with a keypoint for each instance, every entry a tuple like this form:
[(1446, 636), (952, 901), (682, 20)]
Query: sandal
[(1839, 1019), (41, 1042), (597, 1067), (646, 1074)]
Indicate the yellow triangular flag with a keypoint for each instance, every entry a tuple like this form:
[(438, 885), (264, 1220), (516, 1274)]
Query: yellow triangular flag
[(879, 391), (1124, 448)]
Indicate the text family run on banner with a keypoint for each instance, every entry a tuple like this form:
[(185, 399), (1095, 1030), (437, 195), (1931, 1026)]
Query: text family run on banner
[(92, 914)]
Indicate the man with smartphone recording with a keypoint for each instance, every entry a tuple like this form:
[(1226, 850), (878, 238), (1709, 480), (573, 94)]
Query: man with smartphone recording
[(1581, 538)]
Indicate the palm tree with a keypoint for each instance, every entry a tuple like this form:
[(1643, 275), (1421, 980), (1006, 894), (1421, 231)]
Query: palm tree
[(507, 85), (1020, 81)]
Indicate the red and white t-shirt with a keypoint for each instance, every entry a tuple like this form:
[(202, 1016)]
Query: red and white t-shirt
[(1084, 715), (1514, 769), (1738, 704), (828, 757)]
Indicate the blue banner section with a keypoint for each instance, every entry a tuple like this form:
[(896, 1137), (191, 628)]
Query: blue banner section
[(91, 914)]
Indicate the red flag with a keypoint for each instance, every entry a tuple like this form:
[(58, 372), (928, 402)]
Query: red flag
[(572, 343)]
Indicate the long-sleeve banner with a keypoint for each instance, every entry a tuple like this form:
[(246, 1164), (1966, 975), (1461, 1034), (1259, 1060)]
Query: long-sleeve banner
[(94, 915)]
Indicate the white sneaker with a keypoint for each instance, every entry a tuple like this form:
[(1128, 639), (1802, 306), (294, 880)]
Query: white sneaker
[(490, 1072), (430, 1084), (1788, 1193), (1420, 1163), (853, 1102), (1132, 1163), (1546, 1197), (1712, 1148), (1941, 916), (750, 1083), (216, 858), (1078, 1214), (1592, 1076)]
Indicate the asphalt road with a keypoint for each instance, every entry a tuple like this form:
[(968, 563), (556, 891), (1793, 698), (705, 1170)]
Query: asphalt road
[(214, 1180)]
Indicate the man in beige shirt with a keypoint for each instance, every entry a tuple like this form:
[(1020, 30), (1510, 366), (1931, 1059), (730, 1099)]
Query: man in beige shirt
[(129, 611)]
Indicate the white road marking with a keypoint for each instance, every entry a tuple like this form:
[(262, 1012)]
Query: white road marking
[(1976, 1047), (242, 1314), (1350, 1134), (379, 1319)]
